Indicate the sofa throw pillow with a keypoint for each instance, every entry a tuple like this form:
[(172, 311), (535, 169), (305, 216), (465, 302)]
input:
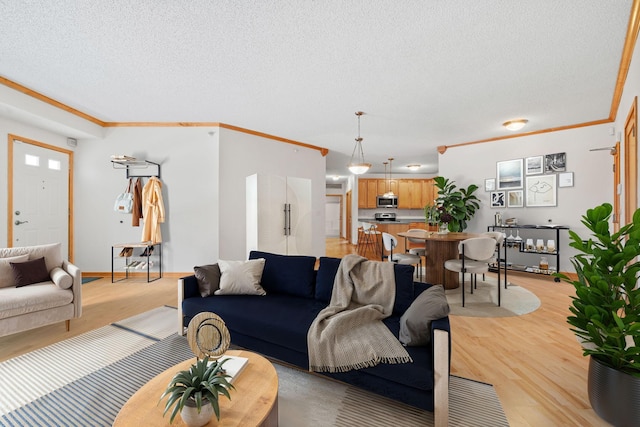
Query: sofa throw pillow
[(287, 274), (241, 277), (30, 272), (208, 277), (415, 323), (61, 278), (7, 278)]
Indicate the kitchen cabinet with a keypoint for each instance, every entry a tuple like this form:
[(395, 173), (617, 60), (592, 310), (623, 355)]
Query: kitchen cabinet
[(412, 193), (385, 185), (278, 214), (429, 192), (372, 193), (362, 194), (405, 187)]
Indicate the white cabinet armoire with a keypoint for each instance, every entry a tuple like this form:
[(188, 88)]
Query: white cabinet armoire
[(279, 214)]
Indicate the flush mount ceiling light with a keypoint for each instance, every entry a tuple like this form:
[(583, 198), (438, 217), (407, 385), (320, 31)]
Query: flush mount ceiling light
[(515, 125), (357, 165), (413, 168)]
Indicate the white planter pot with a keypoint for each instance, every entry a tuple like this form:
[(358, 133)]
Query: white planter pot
[(192, 418)]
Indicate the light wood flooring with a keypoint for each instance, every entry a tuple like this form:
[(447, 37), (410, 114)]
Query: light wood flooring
[(533, 361)]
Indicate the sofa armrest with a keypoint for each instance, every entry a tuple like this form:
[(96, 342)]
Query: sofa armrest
[(187, 288), (441, 356), (76, 288)]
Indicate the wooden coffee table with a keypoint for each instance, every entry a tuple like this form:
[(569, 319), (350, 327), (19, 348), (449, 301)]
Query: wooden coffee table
[(254, 402)]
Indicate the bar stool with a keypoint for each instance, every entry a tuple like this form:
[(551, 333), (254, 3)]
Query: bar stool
[(375, 239), (421, 251)]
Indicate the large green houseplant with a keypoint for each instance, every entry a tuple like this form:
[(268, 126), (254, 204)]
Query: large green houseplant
[(605, 312), (453, 206), (197, 387)]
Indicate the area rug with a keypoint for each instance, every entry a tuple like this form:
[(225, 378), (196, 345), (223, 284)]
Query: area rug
[(89, 279), (80, 383), (514, 301)]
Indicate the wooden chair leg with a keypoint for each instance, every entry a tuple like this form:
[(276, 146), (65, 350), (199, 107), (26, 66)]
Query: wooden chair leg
[(68, 324)]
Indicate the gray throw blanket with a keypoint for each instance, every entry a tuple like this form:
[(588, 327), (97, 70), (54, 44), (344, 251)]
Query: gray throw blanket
[(349, 333)]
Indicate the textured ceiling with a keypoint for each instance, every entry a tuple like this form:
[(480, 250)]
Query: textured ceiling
[(426, 73)]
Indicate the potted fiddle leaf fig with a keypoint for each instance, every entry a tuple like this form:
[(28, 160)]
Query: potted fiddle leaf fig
[(194, 392), (457, 205), (605, 313)]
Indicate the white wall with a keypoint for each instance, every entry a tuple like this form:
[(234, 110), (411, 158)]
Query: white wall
[(593, 177), (243, 154), (203, 195), (188, 158)]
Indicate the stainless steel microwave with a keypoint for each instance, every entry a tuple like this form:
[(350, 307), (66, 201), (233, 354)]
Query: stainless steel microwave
[(387, 201)]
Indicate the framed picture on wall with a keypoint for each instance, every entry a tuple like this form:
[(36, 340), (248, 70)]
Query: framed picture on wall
[(555, 162), (515, 199), (565, 179), (541, 190), (533, 165), (509, 173), (498, 199), (489, 184)]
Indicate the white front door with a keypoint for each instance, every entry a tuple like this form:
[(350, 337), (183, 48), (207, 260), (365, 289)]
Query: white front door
[(40, 205)]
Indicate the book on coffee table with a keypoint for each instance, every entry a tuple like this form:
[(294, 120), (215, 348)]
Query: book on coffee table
[(233, 365)]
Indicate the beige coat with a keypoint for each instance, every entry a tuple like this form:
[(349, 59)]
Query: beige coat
[(152, 210)]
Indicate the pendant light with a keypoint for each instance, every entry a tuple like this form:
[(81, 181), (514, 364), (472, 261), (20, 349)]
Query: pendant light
[(357, 165), (386, 183), (390, 192)]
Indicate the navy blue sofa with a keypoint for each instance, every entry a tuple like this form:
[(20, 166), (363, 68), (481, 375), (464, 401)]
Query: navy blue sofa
[(276, 325)]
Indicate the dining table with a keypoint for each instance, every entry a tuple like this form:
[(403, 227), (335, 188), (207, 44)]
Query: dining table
[(439, 248)]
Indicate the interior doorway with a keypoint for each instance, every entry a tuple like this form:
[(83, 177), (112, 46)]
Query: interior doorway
[(40, 195), (631, 163), (333, 215)]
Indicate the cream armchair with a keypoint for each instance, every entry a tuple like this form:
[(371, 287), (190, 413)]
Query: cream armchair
[(54, 300)]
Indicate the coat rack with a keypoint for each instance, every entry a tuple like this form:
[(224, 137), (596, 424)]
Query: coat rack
[(133, 165)]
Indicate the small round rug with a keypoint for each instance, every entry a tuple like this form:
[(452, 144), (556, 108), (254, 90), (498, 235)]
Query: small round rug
[(515, 300)]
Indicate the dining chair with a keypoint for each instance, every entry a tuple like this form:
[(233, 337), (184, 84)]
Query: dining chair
[(475, 255), (421, 251), (499, 238), (390, 243)]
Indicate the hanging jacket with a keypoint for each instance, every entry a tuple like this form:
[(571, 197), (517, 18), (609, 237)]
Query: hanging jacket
[(152, 210), (137, 203)]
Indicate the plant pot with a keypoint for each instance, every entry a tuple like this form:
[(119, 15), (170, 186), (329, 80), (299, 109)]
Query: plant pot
[(614, 395), (192, 418)]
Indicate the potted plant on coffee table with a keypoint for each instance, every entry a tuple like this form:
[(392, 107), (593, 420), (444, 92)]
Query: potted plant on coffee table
[(606, 313), (194, 392)]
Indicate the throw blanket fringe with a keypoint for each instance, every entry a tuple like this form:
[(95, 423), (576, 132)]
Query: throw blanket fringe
[(349, 333)]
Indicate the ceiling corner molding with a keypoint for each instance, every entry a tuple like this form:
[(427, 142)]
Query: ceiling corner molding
[(32, 93), (627, 53), (442, 149), (159, 124), (322, 150), (537, 132)]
